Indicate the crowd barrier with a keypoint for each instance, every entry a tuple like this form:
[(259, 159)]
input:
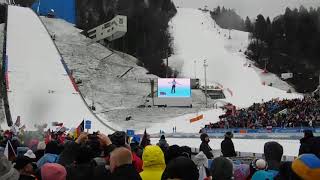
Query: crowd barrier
[(262, 130), (244, 157)]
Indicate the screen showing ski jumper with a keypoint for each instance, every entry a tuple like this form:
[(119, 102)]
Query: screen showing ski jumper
[(174, 87)]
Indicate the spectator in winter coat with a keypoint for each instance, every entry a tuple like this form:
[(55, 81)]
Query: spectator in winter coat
[(181, 168), (202, 164), (40, 150), (82, 168), (173, 152), (153, 163), (286, 172), (305, 144), (7, 172), (135, 147), (137, 162), (204, 146), (25, 168), (227, 147), (121, 165), (53, 171), (222, 169), (273, 152), (163, 144), (51, 154)]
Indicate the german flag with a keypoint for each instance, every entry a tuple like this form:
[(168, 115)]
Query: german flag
[(198, 118), (79, 130)]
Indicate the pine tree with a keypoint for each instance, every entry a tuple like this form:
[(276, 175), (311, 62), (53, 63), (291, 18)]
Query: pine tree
[(260, 27), (248, 24), (218, 10)]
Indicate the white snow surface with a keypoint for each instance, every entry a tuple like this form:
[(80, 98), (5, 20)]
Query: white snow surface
[(183, 125), (290, 147), (196, 39), (35, 70)]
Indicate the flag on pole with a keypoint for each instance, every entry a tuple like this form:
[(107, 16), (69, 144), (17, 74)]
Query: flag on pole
[(145, 141), (9, 151), (79, 130), (198, 118)]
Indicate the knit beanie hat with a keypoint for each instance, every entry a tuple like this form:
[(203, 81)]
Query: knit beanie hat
[(307, 166), (7, 172), (53, 171), (241, 171), (222, 168), (261, 164), (263, 175), (52, 147), (181, 168), (118, 138), (228, 134), (162, 137)]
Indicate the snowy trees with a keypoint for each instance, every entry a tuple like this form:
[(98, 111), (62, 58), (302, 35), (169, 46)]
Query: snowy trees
[(291, 43), (228, 19)]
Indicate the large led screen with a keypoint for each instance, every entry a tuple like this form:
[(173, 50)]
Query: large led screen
[(173, 87)]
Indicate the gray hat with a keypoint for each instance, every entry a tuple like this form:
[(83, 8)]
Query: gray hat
[(229, 134), (7, 172), (222, 169)]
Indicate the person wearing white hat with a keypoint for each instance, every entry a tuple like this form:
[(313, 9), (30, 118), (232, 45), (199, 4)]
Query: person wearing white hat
[(30, 154)]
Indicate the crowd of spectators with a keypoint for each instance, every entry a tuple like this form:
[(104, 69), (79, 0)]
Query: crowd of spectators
[(118, 157), (275, 113)]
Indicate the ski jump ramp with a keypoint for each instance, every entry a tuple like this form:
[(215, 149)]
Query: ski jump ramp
[(40, 88)]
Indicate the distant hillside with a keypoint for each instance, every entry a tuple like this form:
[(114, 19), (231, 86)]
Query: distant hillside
[(228, 19), (290, 43)]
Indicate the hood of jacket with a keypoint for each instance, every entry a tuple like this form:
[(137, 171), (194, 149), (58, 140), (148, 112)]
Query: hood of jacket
[(153, 157)]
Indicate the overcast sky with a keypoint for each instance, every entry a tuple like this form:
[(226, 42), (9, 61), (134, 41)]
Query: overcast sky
[(250, 8)]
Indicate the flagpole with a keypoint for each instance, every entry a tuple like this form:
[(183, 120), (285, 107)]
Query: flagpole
[(15, 155)]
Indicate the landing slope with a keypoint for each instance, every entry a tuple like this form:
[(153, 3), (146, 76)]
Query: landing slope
[(39, 88)]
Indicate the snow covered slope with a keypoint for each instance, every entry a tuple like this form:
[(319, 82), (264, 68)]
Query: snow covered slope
[(196, 39), (115, 98), (39, 88)]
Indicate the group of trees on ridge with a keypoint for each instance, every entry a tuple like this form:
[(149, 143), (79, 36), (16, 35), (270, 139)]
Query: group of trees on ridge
[(289, 43)]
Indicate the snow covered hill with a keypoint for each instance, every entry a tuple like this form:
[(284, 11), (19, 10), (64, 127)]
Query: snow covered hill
[(196, 39), (99, 69)]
